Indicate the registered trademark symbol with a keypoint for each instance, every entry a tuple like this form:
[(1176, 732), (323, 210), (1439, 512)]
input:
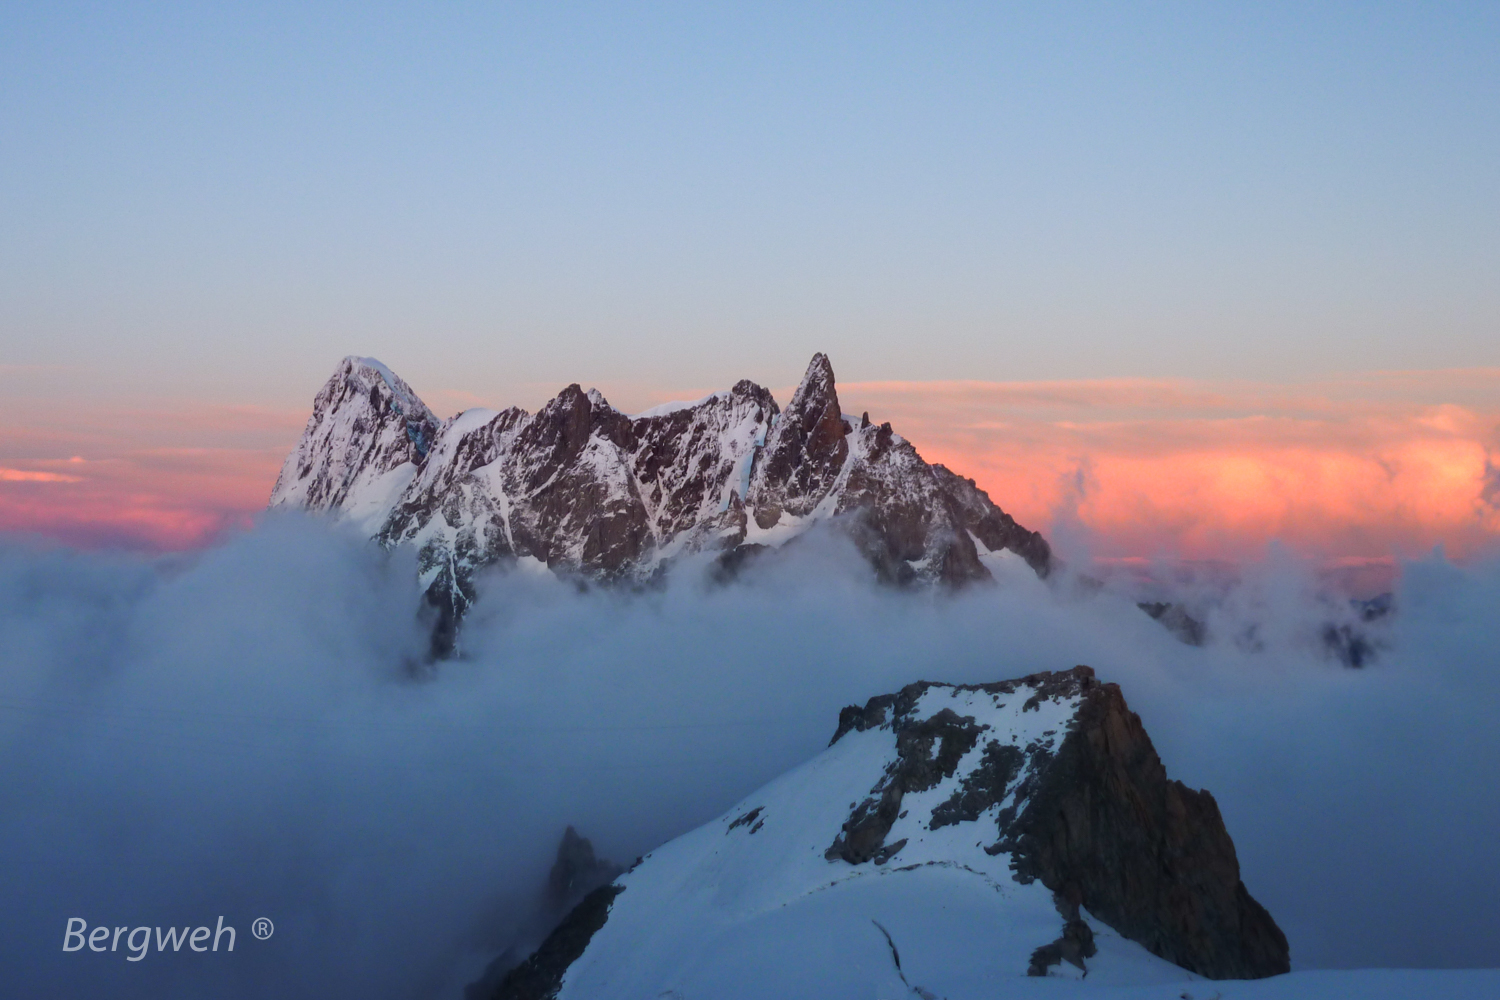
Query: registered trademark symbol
[(262, 928)]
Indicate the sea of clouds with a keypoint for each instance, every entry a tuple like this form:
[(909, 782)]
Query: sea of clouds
[(252, 731)]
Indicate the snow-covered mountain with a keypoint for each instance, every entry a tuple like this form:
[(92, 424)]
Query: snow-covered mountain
[(950, 839), (366, 439), (584, 488)]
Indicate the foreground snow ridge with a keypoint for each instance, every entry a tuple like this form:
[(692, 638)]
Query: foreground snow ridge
[(951, 840)]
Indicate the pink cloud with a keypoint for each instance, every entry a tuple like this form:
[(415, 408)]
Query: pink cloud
[(1356, 469), (1351, 470), (154, 480), (31, 476)]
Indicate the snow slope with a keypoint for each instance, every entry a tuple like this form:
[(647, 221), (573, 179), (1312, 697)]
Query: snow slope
[(753, 907), (897, 863)]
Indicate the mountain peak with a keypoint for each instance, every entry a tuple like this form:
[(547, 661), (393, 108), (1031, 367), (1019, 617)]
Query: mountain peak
[(805, 450), (370, 374), (992, 832), (586, 489), (817, 378), (366, 437)]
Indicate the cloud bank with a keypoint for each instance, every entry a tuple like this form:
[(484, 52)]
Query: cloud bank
[(140, 479), (239, 733), (1371, 466), (1362, 468)]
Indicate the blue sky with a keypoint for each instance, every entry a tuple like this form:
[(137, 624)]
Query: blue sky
[(204, 201)]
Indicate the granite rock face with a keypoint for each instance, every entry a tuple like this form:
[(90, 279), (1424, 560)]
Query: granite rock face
[(1103, 827), (587, 490), (540, 976), (805, 451), (1094, 818)]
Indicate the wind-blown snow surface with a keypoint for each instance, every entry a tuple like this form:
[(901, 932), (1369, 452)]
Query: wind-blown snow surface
[(239, 734), (749, 906)]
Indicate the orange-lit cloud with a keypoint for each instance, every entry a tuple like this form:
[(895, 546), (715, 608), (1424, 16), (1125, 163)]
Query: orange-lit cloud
[(1356, 469), (32, 476)]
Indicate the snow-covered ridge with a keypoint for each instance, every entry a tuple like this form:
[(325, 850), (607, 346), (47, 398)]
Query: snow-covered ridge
[(583, 488), (667, 409), (366, 438), (915, 835)]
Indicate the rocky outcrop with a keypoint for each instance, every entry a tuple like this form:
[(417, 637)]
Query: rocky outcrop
[(541, 975), (1353, 632), (1103, 827), (576, 872), (561, 923), (693, 464), (805, 451), (1026, 819), (1095, 819), (587, 490), (1075, 945), (990, 526), (1175, 619)]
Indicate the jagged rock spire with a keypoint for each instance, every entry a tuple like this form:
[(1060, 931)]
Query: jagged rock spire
[(804, 452)]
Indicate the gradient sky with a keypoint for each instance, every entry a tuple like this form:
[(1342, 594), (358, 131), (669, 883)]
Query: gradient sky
[(202, 208)]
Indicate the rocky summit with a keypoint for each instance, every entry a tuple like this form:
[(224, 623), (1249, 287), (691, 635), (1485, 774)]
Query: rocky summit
[(585, 489), (950, 840)]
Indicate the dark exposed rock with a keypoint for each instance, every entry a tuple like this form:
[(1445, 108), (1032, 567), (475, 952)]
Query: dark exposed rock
[(863, 835), (576, 871), (443, 606), (804, 451), (732, 562), (927, 751), (876, 711), (747, 818), (1105, 828), (1074, 945), (541, 975), (576, 876), (1356, 643), (993, 527), (1084, 807), (1353, 640), (1093, 817), (682, 467), (1346, 644), (1177, 621), (1001, 764), (888, 851), (882, 709), (573, 512)]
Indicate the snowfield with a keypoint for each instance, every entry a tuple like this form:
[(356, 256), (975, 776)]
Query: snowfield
[(752, 905), (749, 906)]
